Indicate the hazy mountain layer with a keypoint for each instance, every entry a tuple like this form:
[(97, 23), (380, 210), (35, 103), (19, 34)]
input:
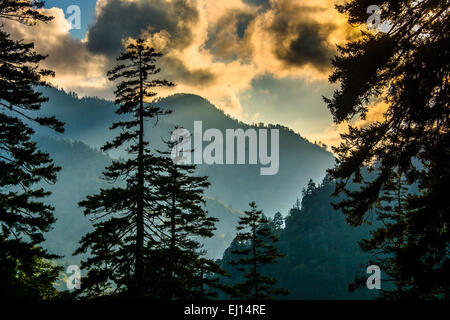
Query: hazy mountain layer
[(88, 120)]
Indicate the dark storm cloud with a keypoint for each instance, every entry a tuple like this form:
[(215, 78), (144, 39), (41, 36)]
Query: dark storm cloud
[(226, 37), (299, 40), (262, 3), (175, 70), (309, 46), (120, 19), (298, 36), (242, 23)]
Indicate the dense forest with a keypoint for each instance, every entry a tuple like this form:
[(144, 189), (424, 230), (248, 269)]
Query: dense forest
[(322, 253)]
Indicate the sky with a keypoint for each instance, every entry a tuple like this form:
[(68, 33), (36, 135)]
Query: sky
[(258, 60)]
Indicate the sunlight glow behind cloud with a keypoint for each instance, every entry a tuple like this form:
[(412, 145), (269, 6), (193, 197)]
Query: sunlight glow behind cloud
[(215, 49)]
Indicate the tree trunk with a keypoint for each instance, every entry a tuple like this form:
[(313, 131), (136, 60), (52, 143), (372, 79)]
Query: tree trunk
[(172, 243), (254, 264), (140, 203)]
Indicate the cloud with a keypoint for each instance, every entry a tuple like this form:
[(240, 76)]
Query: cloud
[(176, 69), (290, 101), (300, 38), (212, 48), (331, 135), (227, 38), (76, 68), (307, 44), (119, 19), (207, 42)]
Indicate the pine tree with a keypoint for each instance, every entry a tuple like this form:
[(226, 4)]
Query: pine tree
[(24, 11), (298, 204), (124, 214), (390, 238), (181, 221), (309, 188), (24, 217), (209, 283), (407, 68), (259, 251), (278, 221)]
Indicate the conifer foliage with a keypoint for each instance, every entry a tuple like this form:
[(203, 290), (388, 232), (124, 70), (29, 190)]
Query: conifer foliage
[(256, 251), (180, 220), (24, 11), (395, 212), (24, 215), (145, 238), (123, 214), (407, 70)]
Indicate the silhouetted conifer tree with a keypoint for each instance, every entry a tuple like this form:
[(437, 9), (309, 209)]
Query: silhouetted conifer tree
[(277, 221), (180, 221), (209, 282), (309, 190), (124, 215), (394, 212), (24, 216), (255, 232), (407, 69)]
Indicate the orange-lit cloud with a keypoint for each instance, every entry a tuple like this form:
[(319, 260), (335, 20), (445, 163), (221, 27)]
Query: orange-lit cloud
[(76, 68), (331, 135), (212, 48)]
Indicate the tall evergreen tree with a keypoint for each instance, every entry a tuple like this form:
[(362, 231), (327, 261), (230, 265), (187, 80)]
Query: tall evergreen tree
[(24, 217), (257, 235), (407, 68), (209, 280), (391, 239), (181, 220), (124, 214)]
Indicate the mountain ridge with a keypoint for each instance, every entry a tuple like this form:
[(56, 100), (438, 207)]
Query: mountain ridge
[(89, 119), (232, 186)]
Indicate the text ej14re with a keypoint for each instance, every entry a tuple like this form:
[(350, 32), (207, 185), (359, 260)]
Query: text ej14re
[(233, 310)]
